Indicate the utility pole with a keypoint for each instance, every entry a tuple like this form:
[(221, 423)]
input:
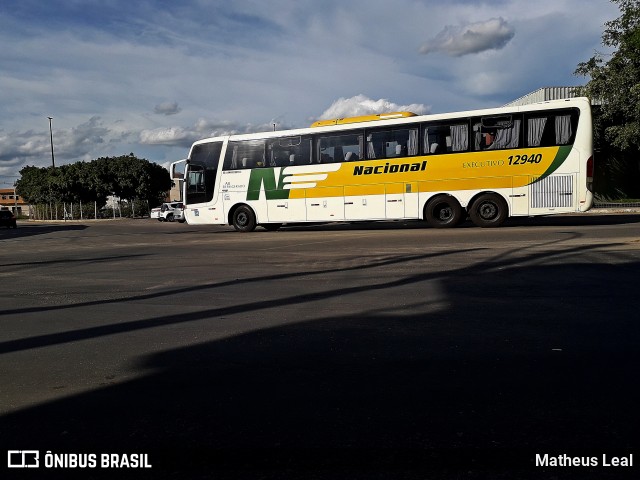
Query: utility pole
[(53, 162)]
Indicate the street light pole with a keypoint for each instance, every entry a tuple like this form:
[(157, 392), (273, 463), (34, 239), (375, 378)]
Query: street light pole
[(53, 162)]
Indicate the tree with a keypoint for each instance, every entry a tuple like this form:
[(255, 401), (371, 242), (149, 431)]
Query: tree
[(130, 177), (153, 183), (33, 185), (127, 176), (615, 84)]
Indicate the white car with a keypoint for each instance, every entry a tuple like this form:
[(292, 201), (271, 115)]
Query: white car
[(169, 212)]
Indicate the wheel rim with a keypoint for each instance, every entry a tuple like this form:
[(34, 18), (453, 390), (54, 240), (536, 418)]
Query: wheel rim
[(242, 219), (444, 212), (488, 211)]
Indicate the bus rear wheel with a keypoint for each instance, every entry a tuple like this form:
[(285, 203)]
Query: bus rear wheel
[(244, 220), (489, 210), (443, 211)]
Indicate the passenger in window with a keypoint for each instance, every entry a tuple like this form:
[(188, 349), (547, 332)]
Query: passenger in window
[(489, 138)]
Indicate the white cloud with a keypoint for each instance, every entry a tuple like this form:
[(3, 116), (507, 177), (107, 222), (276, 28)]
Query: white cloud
[(362, 105), (164, 136), (457, 41)]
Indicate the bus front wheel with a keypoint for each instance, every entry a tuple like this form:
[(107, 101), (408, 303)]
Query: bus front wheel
[(489, 210), (443, 211), (244, 220)]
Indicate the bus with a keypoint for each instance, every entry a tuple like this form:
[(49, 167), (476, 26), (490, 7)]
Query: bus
[(486, 165)]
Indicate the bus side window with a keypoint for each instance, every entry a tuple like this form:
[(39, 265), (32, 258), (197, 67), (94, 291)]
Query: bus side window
[(555, 128), (244, 154), (339, 148), (439, 139), (497, 133), (282, 152), (392, 143)]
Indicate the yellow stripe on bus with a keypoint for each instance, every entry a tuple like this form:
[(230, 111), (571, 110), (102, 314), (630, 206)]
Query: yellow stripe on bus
[(464, 171)]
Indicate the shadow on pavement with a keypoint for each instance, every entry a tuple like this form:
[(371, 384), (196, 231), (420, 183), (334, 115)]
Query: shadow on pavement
[(551, 220), (524, 360), (30, 229)]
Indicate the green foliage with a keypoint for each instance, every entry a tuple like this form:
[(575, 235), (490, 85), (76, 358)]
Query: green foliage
[(127, 176), (615, 84)]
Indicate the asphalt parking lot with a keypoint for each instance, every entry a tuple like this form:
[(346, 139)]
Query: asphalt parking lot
[(379, 350)]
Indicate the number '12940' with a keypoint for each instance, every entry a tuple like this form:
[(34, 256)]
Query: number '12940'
[(524, 159)]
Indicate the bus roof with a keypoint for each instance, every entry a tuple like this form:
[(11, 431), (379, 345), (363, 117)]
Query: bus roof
[(362, 118)]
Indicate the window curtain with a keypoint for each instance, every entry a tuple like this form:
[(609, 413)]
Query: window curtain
[(234, 158), (563, 129), (459, 138), (426, 147), (371, 150), (507, 137), (477, 134), (412, 143), (535, 129)]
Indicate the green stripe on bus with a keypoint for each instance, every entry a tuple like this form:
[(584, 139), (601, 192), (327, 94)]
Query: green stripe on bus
[(561, 156)]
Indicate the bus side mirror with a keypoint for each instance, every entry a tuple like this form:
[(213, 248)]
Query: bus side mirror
[(177, 170)]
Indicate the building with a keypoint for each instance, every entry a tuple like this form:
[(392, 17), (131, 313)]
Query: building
[(545, 94), (10, 201)]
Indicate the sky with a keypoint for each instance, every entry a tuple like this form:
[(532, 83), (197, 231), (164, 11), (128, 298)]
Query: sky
[(151, 77)]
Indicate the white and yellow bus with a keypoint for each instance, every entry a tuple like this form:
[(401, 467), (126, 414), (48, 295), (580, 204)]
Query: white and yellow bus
[(485, 164)]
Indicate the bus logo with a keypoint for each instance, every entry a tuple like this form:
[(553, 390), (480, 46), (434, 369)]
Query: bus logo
[(288, 178), (390, 168)]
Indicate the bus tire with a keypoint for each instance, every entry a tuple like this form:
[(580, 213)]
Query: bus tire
[(489, 210), (443, 211), (243, 219)]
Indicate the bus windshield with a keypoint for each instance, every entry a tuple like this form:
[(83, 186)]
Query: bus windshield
[(202, 172)]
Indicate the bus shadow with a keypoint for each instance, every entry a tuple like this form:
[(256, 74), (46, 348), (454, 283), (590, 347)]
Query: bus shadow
[(574, 220), (539, 221), (517, 364)]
